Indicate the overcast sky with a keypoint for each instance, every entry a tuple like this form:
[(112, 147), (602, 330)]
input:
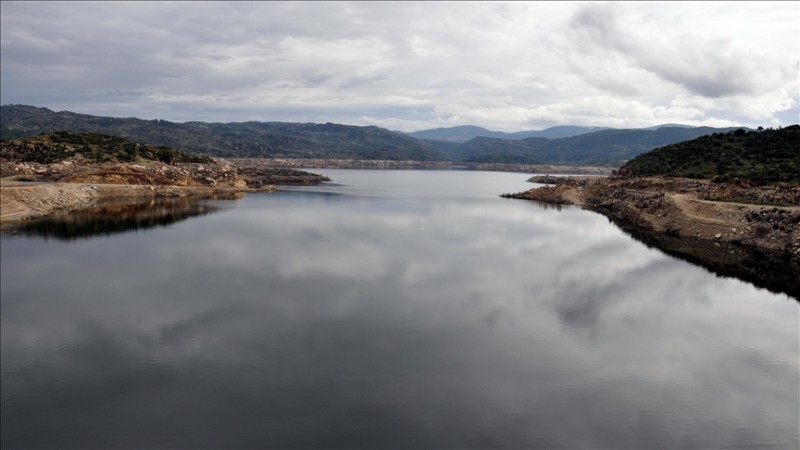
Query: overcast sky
[(409, 65)]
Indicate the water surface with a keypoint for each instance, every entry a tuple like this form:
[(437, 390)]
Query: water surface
[(388, 309)]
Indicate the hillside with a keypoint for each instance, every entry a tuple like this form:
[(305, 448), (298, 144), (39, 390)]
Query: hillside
[(606, 147), (458, 134), (557, 132), (751, 157), (57, 162), (56, 147), (609, 147), (464, 133), (245, 139)]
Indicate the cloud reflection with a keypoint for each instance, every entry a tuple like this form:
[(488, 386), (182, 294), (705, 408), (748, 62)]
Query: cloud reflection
[(400, 322)]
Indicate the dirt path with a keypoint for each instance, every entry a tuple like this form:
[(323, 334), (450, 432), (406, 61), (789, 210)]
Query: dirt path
[(712, 212)]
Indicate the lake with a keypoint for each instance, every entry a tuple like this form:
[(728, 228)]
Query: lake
[(387, 309)]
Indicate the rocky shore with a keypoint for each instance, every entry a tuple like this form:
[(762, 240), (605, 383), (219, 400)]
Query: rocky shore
[(749, 232), (29, 190)]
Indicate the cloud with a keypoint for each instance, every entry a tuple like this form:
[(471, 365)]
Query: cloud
[(409, 65), (706, 67)]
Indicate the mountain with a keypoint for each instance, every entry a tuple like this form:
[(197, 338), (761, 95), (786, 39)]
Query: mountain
[(606, 147), (235, 139), (757, 157), (334, 141), (458, 134), (464, 133), (557, 132), (669, 125)]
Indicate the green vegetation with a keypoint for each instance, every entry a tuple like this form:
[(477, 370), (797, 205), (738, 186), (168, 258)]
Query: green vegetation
[(333, 141), (61, 145), (770, 156), (242, 139), (605, 147)]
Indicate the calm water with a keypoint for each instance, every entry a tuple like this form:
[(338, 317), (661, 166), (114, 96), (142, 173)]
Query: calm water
[(396, 309)]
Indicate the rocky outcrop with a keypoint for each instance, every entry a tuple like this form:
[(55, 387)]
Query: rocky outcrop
[(244, 174), (766, 195), (32, 189), (260, 172)]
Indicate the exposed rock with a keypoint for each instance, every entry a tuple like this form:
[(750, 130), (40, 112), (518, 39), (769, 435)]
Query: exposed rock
[(76, 183)]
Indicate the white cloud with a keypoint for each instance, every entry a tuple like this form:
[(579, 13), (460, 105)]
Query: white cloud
[(407, 65)]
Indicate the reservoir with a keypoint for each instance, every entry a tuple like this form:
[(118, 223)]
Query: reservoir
[(386, 309)]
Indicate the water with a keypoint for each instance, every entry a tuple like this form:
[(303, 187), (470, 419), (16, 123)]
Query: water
[(389, 309)]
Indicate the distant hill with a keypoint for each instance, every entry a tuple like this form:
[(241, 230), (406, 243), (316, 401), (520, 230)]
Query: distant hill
[(557, 132), (333, 141), (465, 133), (760, 157), (457, 134), (58, 146), (243, 139), (668, 125), (606, 147)]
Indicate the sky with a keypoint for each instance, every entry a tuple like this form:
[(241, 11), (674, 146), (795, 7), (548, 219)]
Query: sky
[(408, 66)]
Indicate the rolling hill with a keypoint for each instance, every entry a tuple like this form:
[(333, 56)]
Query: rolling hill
[(610, 147), (606, 147), (465, 133), (60, 145), (768, 156), (243, 139)]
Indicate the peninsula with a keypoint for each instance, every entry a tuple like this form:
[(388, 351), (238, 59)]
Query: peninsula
[(61, 171), (729, 202)]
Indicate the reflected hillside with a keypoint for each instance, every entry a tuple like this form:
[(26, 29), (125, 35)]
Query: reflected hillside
[(773, 271), (116, 218)]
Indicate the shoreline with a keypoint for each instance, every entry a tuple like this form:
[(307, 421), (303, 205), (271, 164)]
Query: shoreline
[(22, 201), (752, 234), (749, 233), (30, 190), (311, 163)]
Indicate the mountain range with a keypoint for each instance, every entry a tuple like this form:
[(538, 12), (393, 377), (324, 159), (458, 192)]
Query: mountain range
[(464, 133), (561, 145)]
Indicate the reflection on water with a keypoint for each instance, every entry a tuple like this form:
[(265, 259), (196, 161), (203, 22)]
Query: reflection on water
[(774, 271), (402, 310), (116, 217)]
